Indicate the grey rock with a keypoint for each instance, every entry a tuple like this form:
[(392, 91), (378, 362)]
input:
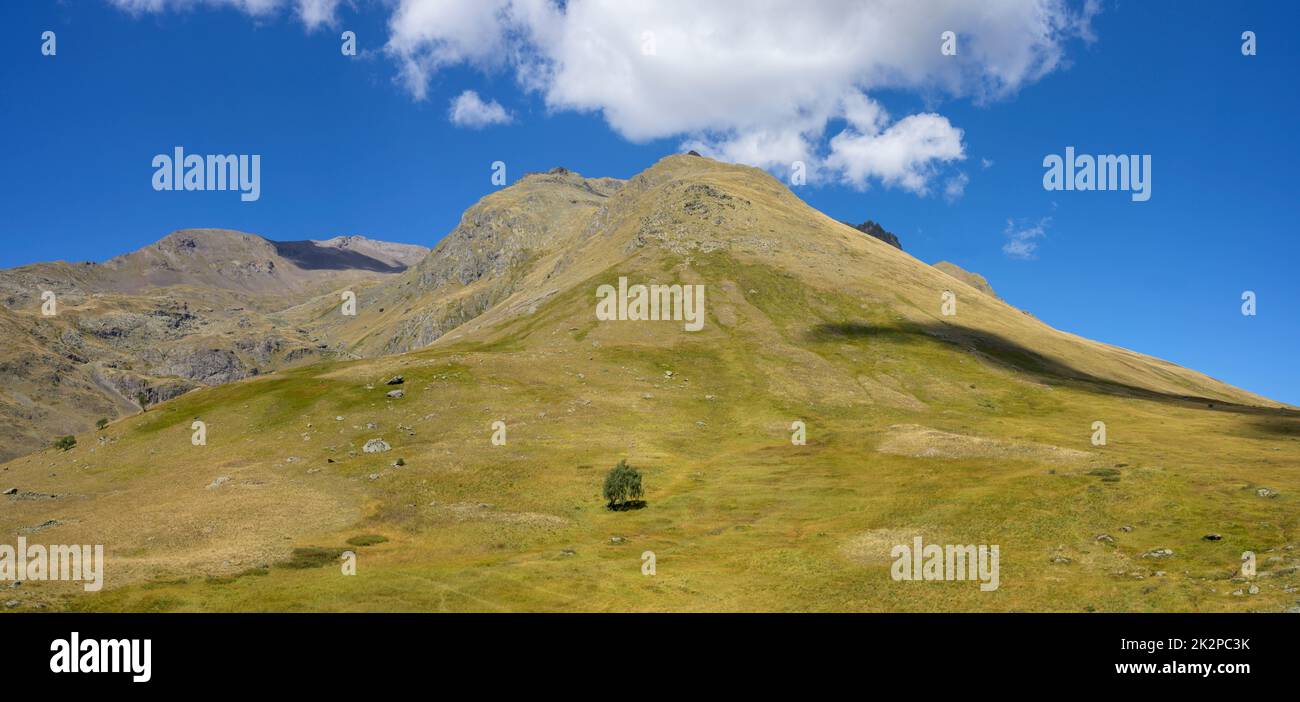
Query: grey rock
[(872, 229), (376, 446)]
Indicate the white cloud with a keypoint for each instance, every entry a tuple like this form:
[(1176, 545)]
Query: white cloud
[(904, 154), (469, 110), (955, 187), (317, 13), (764, 82), (759, 83), (256, 8), (426, 35), (1022, 237), (312, 13)]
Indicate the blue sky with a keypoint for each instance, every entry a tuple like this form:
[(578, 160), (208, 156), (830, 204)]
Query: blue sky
[(348, 146)]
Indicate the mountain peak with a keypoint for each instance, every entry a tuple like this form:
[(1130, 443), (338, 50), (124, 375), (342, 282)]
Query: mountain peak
[(871, 228)]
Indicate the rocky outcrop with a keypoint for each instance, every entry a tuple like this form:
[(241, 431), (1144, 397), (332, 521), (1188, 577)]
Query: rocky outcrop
[(871, 228)]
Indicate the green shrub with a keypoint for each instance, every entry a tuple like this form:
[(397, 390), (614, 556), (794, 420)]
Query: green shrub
[(65, 442), (101, 424), (622, 485)]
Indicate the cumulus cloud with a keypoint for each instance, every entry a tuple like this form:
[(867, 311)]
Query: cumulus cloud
[(256, 8), (904, 154), (955, 187), (1022, 237), (469, 110), (759, 83), (764, 82), (317, 13)]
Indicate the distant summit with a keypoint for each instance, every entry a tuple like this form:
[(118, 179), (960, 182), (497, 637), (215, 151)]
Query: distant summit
[(870, 228), (975, 280)]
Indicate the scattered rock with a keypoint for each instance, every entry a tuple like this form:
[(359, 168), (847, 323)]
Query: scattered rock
[(1253, 589), (11, 604), (1265, 492), (218, 482), (376, 446), (395, 394), (1062, 560), (1212, 537), (11, 491), (396, 380), (1106, 539), (1126, 529), (338, 419), (568, 552), (48, 524), (1158, 553), (374, 476), (616, 539)]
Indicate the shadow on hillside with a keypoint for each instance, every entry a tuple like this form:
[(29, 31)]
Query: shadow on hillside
[(1009, 354), (309, 255)]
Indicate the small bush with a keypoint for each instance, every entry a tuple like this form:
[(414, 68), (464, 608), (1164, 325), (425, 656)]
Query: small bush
[(101, 424), (65, 442), (622, 486), (367, 540)]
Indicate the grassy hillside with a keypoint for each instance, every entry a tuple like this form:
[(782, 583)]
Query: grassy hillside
[(966, 429)]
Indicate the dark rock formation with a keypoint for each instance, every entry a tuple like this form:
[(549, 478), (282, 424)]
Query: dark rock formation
[(870, 228)]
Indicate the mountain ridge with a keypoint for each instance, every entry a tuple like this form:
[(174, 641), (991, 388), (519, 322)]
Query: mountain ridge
[(978, 425)]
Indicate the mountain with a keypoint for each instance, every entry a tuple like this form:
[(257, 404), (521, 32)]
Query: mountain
[(871, 228), (975, 280), (197, 308), (473, 482)]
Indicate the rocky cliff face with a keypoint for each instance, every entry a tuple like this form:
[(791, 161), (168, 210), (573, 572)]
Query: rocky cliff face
[(197, 308), (870, 228)]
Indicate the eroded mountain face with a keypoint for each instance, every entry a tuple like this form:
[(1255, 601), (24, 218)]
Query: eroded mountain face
[(198, 308)]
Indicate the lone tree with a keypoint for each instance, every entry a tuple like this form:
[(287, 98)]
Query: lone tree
[(142, 399), (65, 442), (622, 485)]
